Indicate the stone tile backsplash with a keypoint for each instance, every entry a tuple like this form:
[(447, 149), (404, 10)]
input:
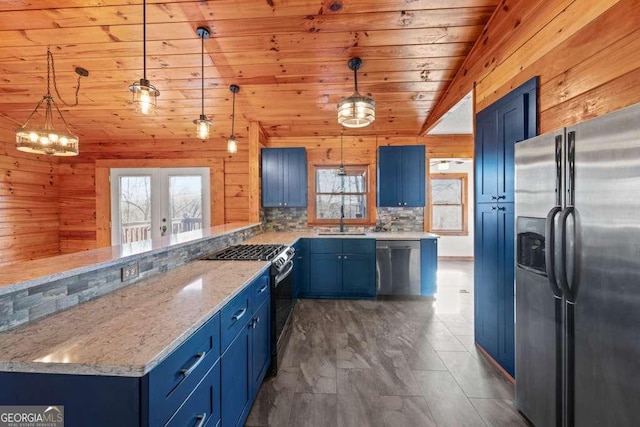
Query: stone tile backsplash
[(295, 219), (29, 304)]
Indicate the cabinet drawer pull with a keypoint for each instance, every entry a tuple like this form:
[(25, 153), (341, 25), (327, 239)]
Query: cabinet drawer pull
[(262, 289), (239, 314), (201, 419), (199, 359)]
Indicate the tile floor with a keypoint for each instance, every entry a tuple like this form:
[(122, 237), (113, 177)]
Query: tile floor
[(388, 364)]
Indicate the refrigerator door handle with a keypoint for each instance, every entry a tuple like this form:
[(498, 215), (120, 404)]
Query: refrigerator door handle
[(550, 254), (564, 281)]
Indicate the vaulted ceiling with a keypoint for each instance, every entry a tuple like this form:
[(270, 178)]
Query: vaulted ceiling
[(289, 58)]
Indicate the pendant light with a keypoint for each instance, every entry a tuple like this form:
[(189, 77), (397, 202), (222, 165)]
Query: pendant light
[(144, 93), (341, 170), (232, 143), (46, 139), (203, 123), (356, 111)]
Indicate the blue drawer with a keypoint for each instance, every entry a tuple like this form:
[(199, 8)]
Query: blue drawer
[(358, 246), (261, 289), (171, 382), (235, 315), (325, 246), (203, 404)]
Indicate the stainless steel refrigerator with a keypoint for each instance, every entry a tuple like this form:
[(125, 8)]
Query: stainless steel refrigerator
[(578, 274)]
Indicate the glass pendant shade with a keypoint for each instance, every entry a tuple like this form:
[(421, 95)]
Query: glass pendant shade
[(356, 111), (203, 126), (144, 97), (232, 145)]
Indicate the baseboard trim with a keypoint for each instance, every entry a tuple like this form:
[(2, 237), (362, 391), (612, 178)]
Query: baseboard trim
[(456, 258), (496, 364)]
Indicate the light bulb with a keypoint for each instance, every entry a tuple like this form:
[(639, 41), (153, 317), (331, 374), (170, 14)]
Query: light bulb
[(64, 141), (232, 145), (145, 101), (33, 137), (44, 140), (203, 129), (53, 137)]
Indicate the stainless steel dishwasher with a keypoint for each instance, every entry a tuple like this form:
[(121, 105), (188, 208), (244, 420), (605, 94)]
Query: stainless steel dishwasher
[(398, 267)]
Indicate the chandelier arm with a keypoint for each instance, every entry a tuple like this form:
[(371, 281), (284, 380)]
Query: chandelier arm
[(33, 112), (61, 116)]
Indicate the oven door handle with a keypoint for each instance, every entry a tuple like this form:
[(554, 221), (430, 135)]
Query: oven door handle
[(283, 275)]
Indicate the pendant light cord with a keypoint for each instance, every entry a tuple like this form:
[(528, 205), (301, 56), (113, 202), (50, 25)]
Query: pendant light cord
[(341, 149), (233, 116), (51, 72), (355, 78), (202, 73), (144, 39)]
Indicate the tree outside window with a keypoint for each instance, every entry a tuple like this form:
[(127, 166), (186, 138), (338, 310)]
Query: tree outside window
[(333, 191), (449, 203)]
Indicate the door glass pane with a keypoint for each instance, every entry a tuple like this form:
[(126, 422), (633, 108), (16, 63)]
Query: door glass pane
[(135, 208), (185, 203)]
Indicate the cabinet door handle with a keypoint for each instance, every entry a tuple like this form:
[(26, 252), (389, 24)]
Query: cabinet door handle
[(339, 257), (405, 203), (285, 204), (257, 320), (399, 203), (239, 314), (502, 197), (201, 419), (502, 208), (493, 208), (199, 358), (494, 197), (262, 289), (279, 204), (345, 257)]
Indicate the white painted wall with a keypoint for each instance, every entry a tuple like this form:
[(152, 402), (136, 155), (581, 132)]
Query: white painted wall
[(460, 246)]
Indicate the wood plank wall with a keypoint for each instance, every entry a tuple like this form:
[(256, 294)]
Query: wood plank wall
[(586, 52), (29, 213), (78, 198)]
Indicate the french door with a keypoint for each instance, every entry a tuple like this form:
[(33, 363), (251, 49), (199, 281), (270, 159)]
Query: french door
[(152, 202)]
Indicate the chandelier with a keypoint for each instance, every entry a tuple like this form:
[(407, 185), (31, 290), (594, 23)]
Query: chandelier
[(144, 93), (203, 123), (356, 111), (46, 139)]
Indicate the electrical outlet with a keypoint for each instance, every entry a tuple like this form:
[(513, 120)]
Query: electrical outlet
[(130, 272)]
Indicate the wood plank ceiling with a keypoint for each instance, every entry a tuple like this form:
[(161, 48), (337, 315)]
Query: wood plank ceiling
[(289, 58)]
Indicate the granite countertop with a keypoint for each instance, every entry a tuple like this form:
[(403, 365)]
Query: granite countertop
[(24, 274), (129, 331), (290, 237)]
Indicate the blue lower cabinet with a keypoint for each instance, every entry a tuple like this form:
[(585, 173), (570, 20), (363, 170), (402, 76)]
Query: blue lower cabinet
[(202, 407), (325, 275), (342, 268), (428, 267), (261, 347), (236, 381), (359, 275)]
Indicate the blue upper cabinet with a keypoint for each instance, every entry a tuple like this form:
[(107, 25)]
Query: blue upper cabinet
[(284, 177), (401, 176)]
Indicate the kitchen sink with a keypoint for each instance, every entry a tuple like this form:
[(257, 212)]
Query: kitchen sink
[(343, 233)]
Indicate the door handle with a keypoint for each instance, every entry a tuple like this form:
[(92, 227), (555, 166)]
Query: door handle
[(201, 420), (199, 358), (549, 253), (564, 281)]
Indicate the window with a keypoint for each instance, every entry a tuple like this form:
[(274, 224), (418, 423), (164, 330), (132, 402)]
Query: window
[(449, 203), (152, 202), (332, 192)]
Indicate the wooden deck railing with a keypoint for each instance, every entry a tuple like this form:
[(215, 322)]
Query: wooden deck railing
[(135, 231)]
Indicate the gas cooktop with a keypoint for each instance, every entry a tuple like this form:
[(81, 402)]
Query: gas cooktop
[(248, 253)]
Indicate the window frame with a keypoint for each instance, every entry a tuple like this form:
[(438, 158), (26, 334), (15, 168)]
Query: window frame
[(314, 220), (464, 201)]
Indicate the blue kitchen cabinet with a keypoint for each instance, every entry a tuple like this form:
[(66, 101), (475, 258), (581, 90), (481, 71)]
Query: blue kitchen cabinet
[(325, 275), (236, 383), (261, 343), (428, 267), (284, 177), (341, 268), (401, 176), (300, 268), (498, 127)]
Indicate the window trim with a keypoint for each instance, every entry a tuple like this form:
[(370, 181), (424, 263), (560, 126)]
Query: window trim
[(313, 220), (464, 178)]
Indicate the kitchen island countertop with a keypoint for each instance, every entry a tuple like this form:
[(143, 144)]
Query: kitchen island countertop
[(129, 331)]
